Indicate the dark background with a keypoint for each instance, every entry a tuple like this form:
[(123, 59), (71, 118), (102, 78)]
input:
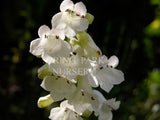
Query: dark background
[(129, 29)]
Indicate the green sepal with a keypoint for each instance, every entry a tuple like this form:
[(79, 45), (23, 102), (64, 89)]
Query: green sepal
[(86, 113), (39, 56), (89, 17)]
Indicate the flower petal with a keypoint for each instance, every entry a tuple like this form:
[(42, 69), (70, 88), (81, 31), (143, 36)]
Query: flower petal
[(59, 48), (115, 76), (56, 20), (69, 32), (35, 47), (80, 8), (48, 83), (113, 61), (42, 30), (100, 97), (64, 113), (60, 88), (47, 58), (66, 4), (82, 101), (113, 103), (59, 33), (61, 23), (57, 113), (103, 60), (109, 77), (54, 48), (106, 116), (105, 84), (80, 25), (92, 80)]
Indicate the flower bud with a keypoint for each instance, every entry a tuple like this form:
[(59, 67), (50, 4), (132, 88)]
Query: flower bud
[(45, 101)]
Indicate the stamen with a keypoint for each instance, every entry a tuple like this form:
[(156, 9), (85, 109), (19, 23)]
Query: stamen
[(74, 53), (57, 37), (98, 52), (82, 93), (50, 49), (101, 68), (111, 107), (67, 10), (76, 115), (58, 77), (67, 81), (82, 16), (66, 110), (92, 98), (45, 36), (77, 15)]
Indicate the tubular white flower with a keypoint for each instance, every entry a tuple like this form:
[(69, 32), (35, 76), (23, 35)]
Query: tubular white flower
[(49, 45), (104, 111), (59, 87), (64, 113), (104, 74), (71, 18), (83, 98)]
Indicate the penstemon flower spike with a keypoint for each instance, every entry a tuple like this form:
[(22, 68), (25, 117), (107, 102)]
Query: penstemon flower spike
[(74, 66)]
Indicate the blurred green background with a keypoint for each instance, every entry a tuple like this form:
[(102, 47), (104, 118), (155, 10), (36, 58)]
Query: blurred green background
[(129, 29)]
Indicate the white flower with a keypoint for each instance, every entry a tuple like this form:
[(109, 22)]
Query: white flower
[(49, 45), (59, 87), (64, 113), (71, 18), (71, 67), (83, 98), (104, 74), (104, 111)]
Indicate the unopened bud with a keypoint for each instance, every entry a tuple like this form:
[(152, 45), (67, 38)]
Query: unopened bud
[(45, 101)]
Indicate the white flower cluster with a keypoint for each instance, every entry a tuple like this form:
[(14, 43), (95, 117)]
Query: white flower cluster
[(74, 67)]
